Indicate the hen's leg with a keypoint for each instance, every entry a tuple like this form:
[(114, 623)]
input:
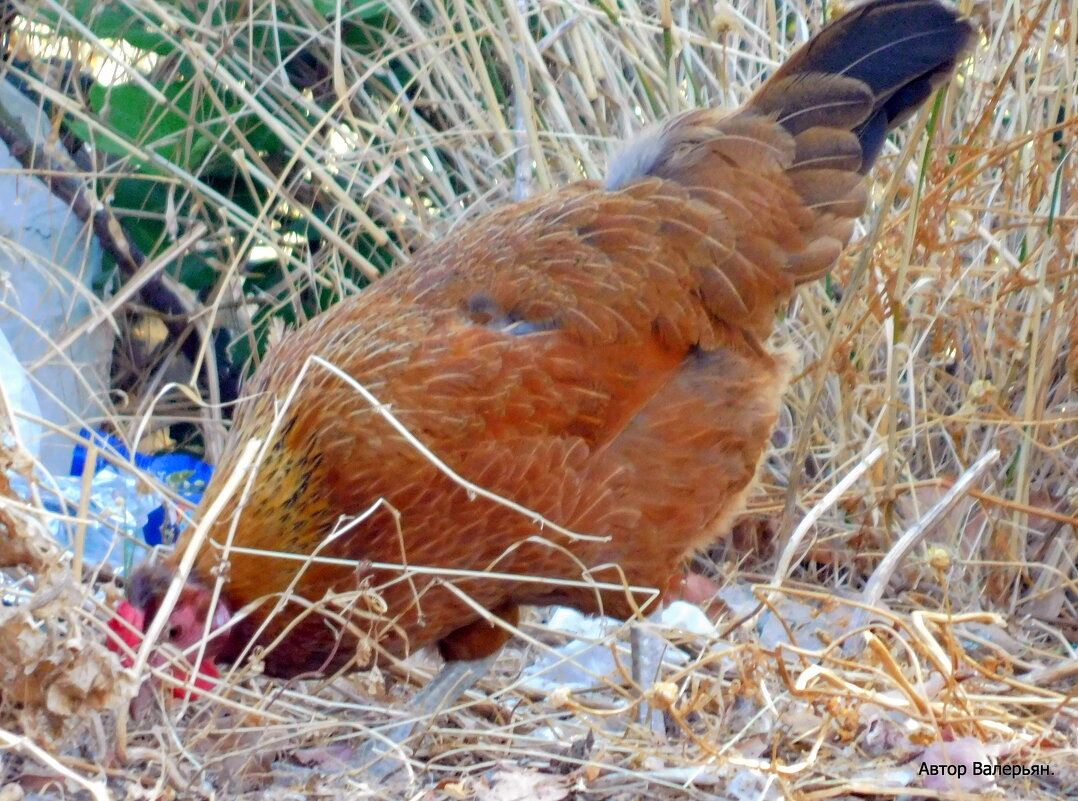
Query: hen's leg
[(470, 652), (384, 753), (646, 654)]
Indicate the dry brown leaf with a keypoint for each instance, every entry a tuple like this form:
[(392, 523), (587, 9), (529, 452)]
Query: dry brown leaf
[(50, 669)]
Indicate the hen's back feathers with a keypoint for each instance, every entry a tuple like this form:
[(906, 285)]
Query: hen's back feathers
[(595, 355)]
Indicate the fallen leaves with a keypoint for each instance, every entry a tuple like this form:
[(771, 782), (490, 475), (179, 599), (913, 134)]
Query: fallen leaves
[(50, 669)]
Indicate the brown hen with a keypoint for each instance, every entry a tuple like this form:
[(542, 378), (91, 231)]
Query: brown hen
[(595, 355)]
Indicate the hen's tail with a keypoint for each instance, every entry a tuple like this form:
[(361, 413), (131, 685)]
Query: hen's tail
[(865, 73), (785, 175)]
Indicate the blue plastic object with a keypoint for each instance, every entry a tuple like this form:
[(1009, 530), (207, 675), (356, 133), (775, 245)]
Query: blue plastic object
[(183, 473)]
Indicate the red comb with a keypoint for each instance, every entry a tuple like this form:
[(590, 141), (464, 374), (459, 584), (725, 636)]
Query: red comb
[(125, 629)]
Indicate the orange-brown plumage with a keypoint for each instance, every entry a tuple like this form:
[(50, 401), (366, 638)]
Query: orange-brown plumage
[(596, 355)]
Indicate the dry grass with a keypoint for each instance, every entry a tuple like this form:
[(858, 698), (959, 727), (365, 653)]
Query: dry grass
[(946, 333)]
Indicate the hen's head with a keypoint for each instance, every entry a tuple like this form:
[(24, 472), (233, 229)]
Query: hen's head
[(194, 619)]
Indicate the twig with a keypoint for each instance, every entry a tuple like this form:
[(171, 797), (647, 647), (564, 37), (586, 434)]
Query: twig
[(816, 512), (32, 749), (873, 591)]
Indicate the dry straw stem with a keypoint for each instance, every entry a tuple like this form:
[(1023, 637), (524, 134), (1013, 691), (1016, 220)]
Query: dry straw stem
[(946, 333)]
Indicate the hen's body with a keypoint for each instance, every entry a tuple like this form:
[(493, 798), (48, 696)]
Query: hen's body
[(595, 355)]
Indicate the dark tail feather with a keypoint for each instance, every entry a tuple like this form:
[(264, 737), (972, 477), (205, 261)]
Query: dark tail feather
[(866, 73)]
